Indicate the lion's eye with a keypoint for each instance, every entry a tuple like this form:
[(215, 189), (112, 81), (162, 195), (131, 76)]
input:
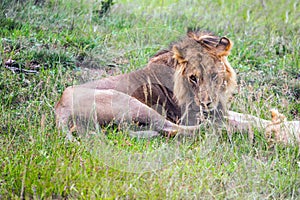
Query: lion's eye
[(194, 79), (214, 76)]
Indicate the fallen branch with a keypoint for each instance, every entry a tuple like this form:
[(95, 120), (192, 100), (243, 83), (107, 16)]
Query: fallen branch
[(13, 66)]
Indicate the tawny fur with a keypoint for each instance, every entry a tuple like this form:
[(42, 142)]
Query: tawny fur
[(177, 87)]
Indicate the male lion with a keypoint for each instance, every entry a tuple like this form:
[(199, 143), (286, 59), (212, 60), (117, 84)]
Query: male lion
[(180, 88)]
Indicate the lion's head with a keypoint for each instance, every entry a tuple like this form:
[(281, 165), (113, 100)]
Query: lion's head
[(202, 73)]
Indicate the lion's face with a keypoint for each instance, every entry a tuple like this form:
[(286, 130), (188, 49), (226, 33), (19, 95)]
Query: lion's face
[(203, 75), (206, 79)]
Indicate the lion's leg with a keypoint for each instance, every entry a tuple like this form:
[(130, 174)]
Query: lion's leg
[(284, 131), (243, 122), (121, 108), (63, 111), (105, 106)]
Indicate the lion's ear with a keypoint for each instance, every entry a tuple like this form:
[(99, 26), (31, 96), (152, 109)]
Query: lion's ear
[(224, 46), (178, 55)]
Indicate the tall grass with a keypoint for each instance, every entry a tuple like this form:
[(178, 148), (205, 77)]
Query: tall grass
[(67, 43)]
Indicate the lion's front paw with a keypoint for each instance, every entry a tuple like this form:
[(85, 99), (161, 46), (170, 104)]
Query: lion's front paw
[(276, 130)]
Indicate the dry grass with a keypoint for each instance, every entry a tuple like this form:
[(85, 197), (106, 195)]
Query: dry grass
[(66, 41)]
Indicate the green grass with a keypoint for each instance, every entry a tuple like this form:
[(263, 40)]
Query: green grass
[(71, 44)]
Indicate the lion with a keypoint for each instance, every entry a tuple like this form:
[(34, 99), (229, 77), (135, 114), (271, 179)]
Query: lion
[(181, 88)]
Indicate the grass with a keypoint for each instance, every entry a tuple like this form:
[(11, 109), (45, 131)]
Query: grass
[(68, 43)]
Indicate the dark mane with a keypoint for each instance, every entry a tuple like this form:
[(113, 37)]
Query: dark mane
[(160, 52), (163, 57), (217, 46)]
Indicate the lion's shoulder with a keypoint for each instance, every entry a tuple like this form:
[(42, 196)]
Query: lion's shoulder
[(162, 57)]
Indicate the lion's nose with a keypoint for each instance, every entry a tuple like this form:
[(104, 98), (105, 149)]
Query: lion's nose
[(206, 104), (206, 100)]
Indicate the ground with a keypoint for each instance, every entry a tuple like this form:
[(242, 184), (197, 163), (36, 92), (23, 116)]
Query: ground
[(48, 45)]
